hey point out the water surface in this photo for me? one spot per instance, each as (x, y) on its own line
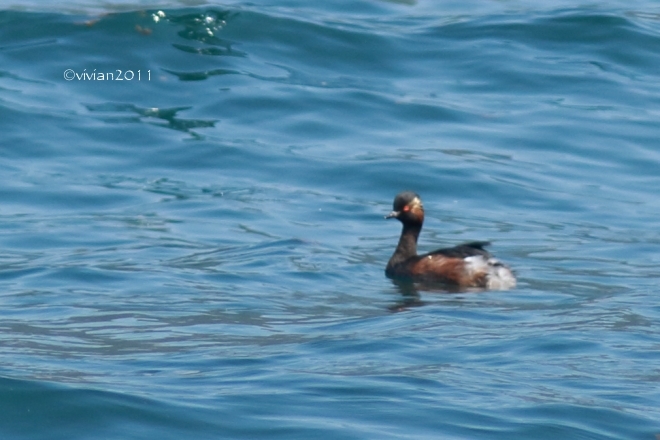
(199, 253)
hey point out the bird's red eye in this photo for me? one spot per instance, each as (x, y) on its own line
(406, 208)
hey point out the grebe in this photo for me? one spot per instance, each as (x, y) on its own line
(464, 266)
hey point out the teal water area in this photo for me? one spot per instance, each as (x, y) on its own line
(198, 251)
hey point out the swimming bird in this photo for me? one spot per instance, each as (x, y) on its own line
(467, 265)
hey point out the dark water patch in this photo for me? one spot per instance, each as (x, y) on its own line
(33, 410)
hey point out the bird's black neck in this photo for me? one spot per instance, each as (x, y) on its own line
(407, 246)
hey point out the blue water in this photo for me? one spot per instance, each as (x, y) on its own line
(199, 253)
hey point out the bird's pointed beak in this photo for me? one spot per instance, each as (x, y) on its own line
(393, 214)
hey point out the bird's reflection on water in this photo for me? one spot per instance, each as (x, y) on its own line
(411, 297)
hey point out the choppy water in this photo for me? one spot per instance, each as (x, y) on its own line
(199, 253)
